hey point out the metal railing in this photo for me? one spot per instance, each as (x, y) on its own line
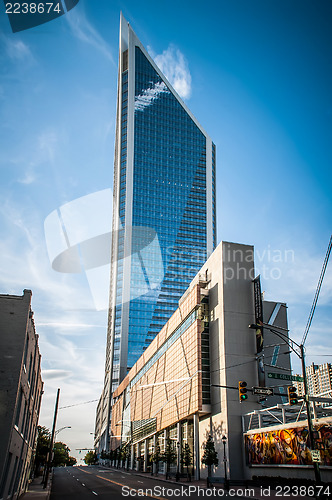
(283, 414)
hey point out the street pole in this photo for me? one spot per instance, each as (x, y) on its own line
(178, 461)
(300, 355)
(50, 453)
(224, 439)
(309, 417)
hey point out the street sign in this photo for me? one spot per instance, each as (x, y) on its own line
(263, 391)
(283, 376)
(315, 455)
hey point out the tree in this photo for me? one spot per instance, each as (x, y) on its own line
(61, 455)
(169, 455)
(104, 455)
(210, 455)
(125, 454)
(90, 458)
(156, 457)
(71, 461)
(42, 448)
(186, 457)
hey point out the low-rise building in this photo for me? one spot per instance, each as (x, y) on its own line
(319, 379)
(185, 386)
(20, 392)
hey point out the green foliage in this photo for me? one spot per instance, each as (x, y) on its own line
(61, 451)
(169, 455)
(42, 448)
(124, 452)
(210, 456)
(71, 461)
(156, 456)
(104, 455)
(90, 458)
(186, 456)
(61, 455)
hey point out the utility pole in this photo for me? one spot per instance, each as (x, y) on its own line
(309, 416)
(50, 453)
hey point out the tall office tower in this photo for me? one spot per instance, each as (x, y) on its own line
(164, 222)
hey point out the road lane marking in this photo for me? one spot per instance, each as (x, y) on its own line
(140, 482)
(83, 484)
(95, 493)
(86, 472)
(132, 489)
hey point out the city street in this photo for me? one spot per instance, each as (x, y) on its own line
(96, 481)
(87, 482)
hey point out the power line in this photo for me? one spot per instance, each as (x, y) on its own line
(79, 404)
(320, 281)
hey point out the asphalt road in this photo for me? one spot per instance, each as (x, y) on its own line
(95, 483)
(98, 483)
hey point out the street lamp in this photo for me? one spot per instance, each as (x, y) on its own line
(283, 335)
(59, 430)
(224, 440)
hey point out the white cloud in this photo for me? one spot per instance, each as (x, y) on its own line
(28, 178)
(52, 374)
(85, 32)
(30, 155)
(17, 50)
(150, 95)
(175, 67)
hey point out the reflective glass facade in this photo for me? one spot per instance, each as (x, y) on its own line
(164, 206)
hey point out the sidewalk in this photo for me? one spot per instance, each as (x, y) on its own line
(236, 491)
(36, 490)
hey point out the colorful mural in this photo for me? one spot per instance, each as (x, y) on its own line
(288, 446)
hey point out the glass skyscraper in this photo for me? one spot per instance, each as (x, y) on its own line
(164, 215)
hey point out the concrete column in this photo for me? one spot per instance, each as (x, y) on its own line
(179, 449)
(138, 457)
(145, 455)
(165, 441)
(154, 465)
(132, 457)
(196, 447)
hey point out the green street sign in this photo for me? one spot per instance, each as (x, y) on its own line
(283, 376)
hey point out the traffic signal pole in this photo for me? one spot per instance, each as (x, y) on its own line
(300, 355)
(309, 416)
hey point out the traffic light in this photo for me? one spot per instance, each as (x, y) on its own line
(242, 391)
(292, 396)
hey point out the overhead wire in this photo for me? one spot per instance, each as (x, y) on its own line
(319, 285)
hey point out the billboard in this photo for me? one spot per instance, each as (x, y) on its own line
(258, 313)
(288, 446)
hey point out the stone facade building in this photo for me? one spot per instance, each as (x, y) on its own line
(21, 390)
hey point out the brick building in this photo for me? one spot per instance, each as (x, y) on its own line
(20, 392)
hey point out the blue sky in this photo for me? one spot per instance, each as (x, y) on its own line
(256, 74)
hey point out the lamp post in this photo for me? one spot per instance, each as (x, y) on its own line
(62, 428)
(283, 335)
(224, 440)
